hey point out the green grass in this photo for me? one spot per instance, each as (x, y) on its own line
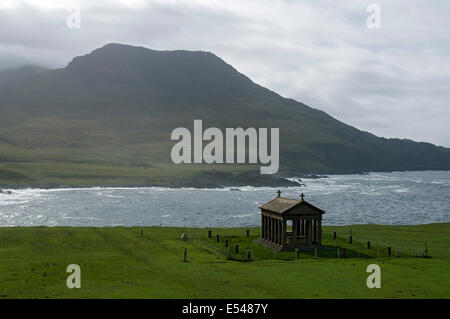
(117, 263)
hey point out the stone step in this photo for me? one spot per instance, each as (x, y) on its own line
(268, 244)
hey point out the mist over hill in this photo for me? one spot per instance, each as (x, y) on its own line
(106, 118)
(11, 77)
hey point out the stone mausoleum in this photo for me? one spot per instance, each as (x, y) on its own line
(287, 224)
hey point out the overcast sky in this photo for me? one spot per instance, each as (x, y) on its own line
(393, 81)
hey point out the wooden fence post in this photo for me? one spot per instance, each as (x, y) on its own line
(209, 233)
(350, 239)
(249, 254)
(217, 238)
(334, 235)
(185, 255)
(142, 232)
(368, 244)
(248, 232)
(226, 242)
(389, 251)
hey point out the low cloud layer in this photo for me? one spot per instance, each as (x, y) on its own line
(392, 81)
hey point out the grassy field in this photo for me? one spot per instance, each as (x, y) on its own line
(119, 263)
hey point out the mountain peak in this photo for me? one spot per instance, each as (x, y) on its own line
(117, 51)
(168, 70)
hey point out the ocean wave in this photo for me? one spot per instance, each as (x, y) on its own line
(243, 215)
(401, 190)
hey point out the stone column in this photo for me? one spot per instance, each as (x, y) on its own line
(294, 232)
(302, 227)
(309, 230)
(272, 229)
(265, 227)
(283, 232)
(280, 232)
(320, 231)
(314, 231)
(262, 226)
(305, 229)
(275, 239)
(275, 230)
(275, 227)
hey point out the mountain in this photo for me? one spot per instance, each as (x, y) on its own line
(11, 77)
(106, 118)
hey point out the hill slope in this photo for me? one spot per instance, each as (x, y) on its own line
(12, 77)
(118, 105)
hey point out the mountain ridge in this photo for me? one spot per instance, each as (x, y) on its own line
(118, 104)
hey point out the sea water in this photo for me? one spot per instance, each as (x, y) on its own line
(377, 198)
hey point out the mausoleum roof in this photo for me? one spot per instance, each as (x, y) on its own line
(284, 204)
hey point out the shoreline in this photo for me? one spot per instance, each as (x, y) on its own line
(200, 183)
(213, 227)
